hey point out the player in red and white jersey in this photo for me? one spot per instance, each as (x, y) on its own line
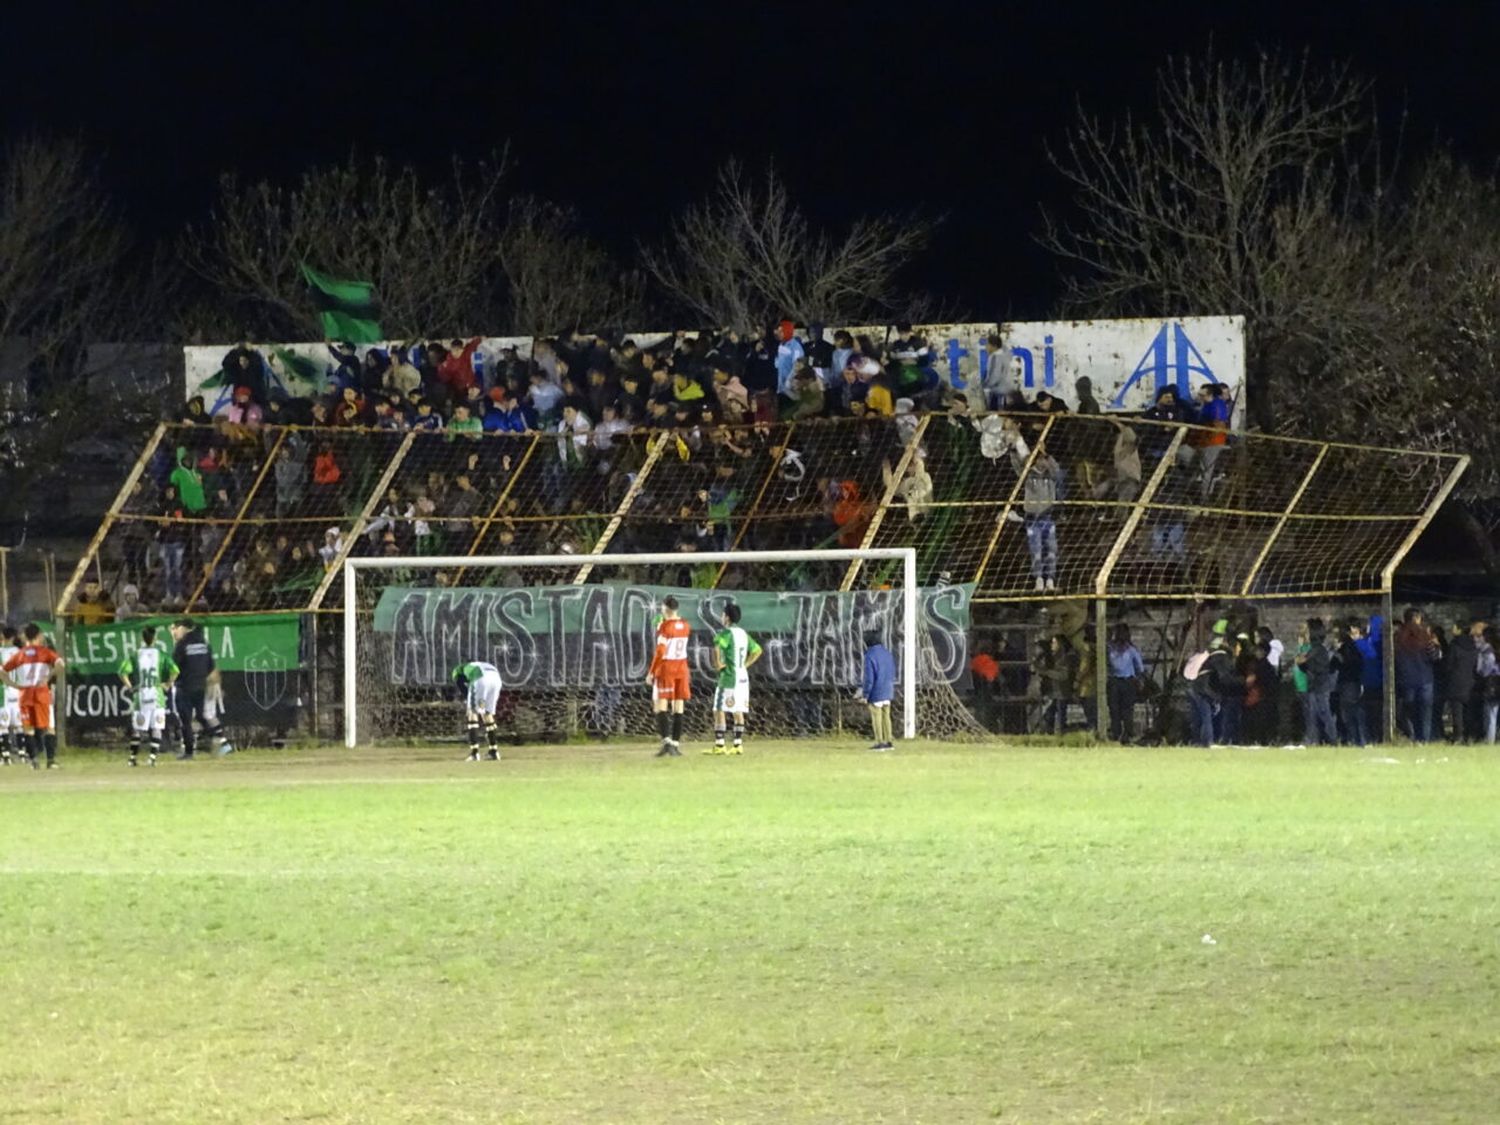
(31, 669)
(671, 685)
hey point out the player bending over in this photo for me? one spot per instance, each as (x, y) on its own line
(878, 687)
(668, 676)
(30, 668)
(148, 674)
(481, 685)
(734, 651)
(10, 702)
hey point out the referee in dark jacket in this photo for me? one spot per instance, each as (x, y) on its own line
(195, 664)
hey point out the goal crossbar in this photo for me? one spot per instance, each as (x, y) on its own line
(907, 556)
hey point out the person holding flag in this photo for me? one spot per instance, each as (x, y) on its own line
(147, 673)
(734, 651)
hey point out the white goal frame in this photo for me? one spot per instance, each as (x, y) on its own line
(909, 603)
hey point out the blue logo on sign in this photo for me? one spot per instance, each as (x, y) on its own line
(1169, 361)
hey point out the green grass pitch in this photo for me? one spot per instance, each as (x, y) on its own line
(810, 933)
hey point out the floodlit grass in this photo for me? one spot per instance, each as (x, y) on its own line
(806, 934)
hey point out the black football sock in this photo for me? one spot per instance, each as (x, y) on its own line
(719, 733)
(154, 746)
(473, 738)
(664, 725)
(135, 746)
(4, 745)
(676, 726)
(49, 741)
(739, 734)
(492, 732)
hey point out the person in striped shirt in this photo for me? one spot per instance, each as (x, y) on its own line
(734, 651)
(31, 669)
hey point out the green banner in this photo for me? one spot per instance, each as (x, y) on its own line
(248, 642)
(567, 636)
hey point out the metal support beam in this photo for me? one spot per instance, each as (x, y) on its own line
(494, 512)
(653, 455)
(121, 498)
(1265, 548)
(744, 523)
(1101, 670)
(897, 476)
(1010, 501)
(335, 568)
(1133, 521)
(234, 526)
(1388, 584)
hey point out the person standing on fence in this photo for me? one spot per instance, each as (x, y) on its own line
(1126, 670)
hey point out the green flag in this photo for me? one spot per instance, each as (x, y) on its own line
(348, 308)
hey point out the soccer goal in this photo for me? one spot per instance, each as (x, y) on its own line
(573, 637)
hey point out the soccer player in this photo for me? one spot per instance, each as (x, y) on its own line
(734, 651)
(10, 702)
(31, 668)
(195, 671)
(481, 684)
(668, 676)
(147, 673)
(878, 688)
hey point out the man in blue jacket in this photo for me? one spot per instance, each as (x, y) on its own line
(878, 687)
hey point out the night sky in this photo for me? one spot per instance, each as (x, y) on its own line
(626, 111)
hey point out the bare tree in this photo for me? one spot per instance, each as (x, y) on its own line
(430, 249)
(64, 286)
(1232, 197)
(560, 279)
(747, 255)
(1372, 300)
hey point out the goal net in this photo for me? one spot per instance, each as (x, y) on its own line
(573, 638)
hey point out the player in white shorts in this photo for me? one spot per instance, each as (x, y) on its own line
(481, 685)
(148, 673)
(10, 703)
(734, 651)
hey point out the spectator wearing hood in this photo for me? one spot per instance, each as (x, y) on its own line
(129, 607)
(194, 413)
(188, 482)
(820, 354)
(1083, 387)
(243, 366)
(372, 373)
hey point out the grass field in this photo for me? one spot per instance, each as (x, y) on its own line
(806, 934)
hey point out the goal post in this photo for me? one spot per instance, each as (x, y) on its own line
(444, 572)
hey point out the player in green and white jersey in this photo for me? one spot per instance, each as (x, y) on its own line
(148, 673)
(481, 685)
(734, 651)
